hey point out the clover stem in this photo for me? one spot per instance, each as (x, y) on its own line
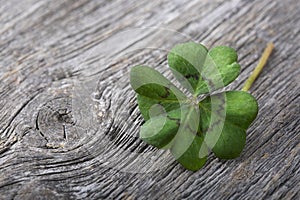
(262, 62)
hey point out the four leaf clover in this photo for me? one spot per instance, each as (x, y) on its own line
(205, 120)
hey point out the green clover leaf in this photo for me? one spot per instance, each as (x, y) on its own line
(240, 110)
(195, 63)
(189, 128)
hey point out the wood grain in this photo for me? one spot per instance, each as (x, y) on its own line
(69, 121)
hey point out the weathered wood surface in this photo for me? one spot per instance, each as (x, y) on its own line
(69, 121)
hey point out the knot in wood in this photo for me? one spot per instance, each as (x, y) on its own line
(56, 123)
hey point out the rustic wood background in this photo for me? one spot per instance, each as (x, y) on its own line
(69, 121)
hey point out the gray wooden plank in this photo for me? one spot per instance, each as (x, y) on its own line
(68, 117)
